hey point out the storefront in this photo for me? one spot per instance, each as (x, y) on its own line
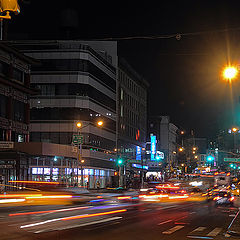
(36, 162)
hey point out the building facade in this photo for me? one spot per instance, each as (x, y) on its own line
(77, 82)
(15, 94)
(131, 121)
(163, 135)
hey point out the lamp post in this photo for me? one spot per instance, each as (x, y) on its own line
(79, 147)
(234, 131)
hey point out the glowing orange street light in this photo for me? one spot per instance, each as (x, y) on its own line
(234, 129)
(230, 73)
(79, 124)
(100, 123)
(180, 149)
(182, 132)
(194, 149)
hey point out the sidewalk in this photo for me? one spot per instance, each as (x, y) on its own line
(234, 227)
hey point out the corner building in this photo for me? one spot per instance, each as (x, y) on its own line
(77, 82)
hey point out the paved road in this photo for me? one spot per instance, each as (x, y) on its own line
(160, 221)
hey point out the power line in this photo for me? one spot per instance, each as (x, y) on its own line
(177, 36)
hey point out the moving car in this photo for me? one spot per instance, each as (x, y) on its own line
(223, 198)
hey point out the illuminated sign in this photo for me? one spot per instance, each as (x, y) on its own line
(55, 171)
(139, 166)
(159, 155)
(153, 147)
(138, 153)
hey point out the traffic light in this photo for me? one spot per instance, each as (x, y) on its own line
(119, 161)
(210, 158)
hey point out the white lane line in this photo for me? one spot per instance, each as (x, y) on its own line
(161, 223)
(232, 215)
(174, 229)
(214, 232)
(82, 225)
(199, 229)
(162, 208)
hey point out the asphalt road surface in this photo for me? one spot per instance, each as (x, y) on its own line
(160, 221)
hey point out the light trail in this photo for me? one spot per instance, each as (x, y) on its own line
(73, 217)
(47, 211)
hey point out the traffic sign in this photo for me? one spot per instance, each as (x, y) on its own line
(231, 159)
(77, 139)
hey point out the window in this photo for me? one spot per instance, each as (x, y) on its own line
(47, 89)
(18, 75)
(121, 94)
(18, 111)
(121, 111)
(3, 105)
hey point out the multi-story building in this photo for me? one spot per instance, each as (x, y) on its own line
(132, 119)
(77, 82)
(15, 93)
(163, 135)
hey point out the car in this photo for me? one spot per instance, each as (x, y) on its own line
(223, 198)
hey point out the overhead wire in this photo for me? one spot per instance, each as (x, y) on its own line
(178, 36)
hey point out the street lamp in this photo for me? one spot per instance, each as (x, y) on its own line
(7, 6)
(79, 143)
(234, 129)
(180, 149)
(229, 73)
(100, 123)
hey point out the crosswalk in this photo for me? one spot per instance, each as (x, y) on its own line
(200, 232)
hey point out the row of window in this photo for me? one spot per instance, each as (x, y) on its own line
(18, 109)
(67, 137)
(8, 71)
(76, 89)
(129, 100)
(131, 85)
(75, 65)
(62, 114)
(15, 137)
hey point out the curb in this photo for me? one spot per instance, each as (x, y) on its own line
(229, 231)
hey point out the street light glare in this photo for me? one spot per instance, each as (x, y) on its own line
(79, 124)
(100, 123)
(234, 129)
(230, 72)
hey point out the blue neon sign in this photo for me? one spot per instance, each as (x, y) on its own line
(138, 153)
(153, 147)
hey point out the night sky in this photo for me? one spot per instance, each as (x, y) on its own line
(184, 75)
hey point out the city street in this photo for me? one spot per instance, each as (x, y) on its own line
(175, 220)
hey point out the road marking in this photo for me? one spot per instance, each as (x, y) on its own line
(81, 225)
(199, 237)
(180, 218)
(162, 208)
(214, 232)
(199, 229)
(232, 215)
(161, 223)
(172, 230)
